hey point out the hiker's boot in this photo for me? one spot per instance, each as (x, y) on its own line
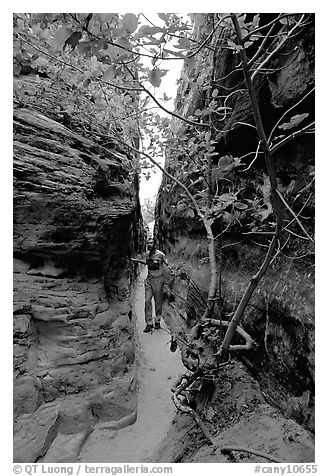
(157, 325)
(148, 328)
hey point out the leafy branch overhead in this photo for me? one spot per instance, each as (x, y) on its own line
(117, 62)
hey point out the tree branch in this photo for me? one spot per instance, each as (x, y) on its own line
(255, 157)
(122, 88)
(295, 216)
(259, 126)
(247, 295)
(275, 198)
(295, 234)
(61, 61)
(304, 205)
(291, 137)
(261, 47)
(280, 17)
(167, 174)
(171, 113)
(287, 112)
(278, 47)
(208, 38)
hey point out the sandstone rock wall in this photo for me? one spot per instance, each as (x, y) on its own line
(293, 78)
(76, 223)
(281, 315)
(237, 410)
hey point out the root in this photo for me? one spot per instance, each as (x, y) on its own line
(189, 379)
(195, 416)
(186, 409)
(249, 342)
(229, 449)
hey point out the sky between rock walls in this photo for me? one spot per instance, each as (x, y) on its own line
(149, 188)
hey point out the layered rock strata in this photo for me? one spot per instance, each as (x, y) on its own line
(234, 407)
(281, 314)
(76, 223)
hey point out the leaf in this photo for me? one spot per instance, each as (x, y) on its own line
(109, 74)
(153, 41)
(124, 42)
(244, 32)
(166, 52)
(57, 42)
(94, 26)
(86, 48)
(210, 414)
(233, 46)
(87, 20)
(155, 77)
(240, 206)
(130, 22)
(119, 51)
(40, 64)
(227, 197)
(175, 29)
(73, 40)
(164, 16)
(266, 189)
(190, 213)
(190, 63)
(247, 44)
(311, 170)
(255, 22)
(165, 97)
(265, 212)
(228, 217)
(180, 207)
(199, 19)
(106, 17)
(24, 17)
(183, 43)
(92, 48)
(215, 93)
(225, 161)
(86, 82)
(17, 68)
(294, 122)
(145, 31)
(19, 25)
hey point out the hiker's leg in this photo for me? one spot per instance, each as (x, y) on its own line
(158, 297)
(148, 306)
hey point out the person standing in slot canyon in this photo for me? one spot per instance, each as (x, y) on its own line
(154, 284)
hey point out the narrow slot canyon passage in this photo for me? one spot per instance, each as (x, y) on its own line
(157, 369)
(204, 144)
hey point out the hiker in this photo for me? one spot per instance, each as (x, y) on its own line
(154, 284)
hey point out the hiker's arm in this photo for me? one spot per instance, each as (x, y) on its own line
(166, 262)
(141, 258)
(137, 260)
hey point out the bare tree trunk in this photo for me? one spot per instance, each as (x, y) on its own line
(210, 237)
(213, 270)
(252, 285)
